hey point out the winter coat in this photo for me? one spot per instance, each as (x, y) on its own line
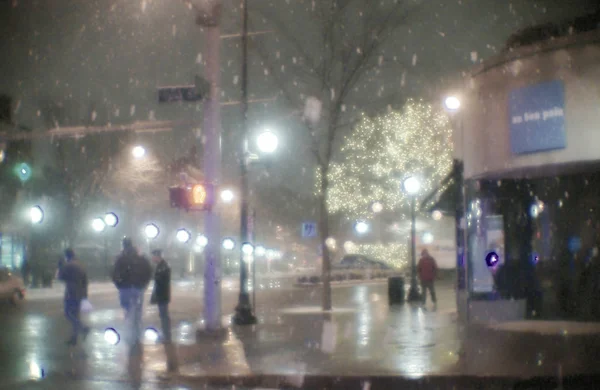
(161, 294)
(131, 270)
(427, 269)
(76, 281)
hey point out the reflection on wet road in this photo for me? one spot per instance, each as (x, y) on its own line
(365, 334)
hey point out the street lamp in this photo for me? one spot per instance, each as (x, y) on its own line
(227, 196)
(228, 244)
(452, 103)
(98, 225)
(111, 219)
(260, 251)
(412, 186)
(267, 142)
(151, 231)
(138, 151)
(202, 241)
(377, 207)
(361, 227)
(183, 236)
(36, 213)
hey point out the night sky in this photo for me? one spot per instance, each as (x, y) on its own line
(95, 62)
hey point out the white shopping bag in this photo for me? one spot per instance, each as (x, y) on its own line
(86, 306)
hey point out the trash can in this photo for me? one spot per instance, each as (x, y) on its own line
(395, 290)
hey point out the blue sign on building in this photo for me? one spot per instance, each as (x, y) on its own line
(537, 118)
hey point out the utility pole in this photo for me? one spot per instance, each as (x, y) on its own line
(211, 130)
(243, 311)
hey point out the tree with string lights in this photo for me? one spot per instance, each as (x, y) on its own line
(383, 150)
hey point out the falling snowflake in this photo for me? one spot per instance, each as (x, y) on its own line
(236, 79)
(151, 115)
(473, 56)
(144, 5)
(132, 110)
(294, 60)
(380, 61)
(174, 30)
(199, 58)
(414, 59)
(94, 115)
(266, 72)
(332, 94)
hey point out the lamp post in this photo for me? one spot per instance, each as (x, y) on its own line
(453, 105)
(412, 186)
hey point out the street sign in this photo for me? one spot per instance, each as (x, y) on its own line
(186, 93)
(309, 229)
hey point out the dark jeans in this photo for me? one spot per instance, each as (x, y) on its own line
(428, 285)
(132, 300)
(165, 320)
(72, 311)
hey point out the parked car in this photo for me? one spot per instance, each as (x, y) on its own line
(12, 287)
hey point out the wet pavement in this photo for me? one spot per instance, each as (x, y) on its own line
(288, 339)
(362, 340)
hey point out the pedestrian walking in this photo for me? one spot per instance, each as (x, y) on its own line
(161, 294)
(131, 275)
(75, 278)
(427, 269)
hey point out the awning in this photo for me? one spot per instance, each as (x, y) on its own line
(445, 196)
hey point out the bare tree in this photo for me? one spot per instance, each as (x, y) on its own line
(337, 54)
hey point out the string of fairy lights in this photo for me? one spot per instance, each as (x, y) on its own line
(378, 155)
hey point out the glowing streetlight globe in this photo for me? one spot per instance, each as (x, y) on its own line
(436, 215)
(202, 241)
(183, 236)
(138, 151)
(227, 196)
(228, 244)
(260, 251)
(267, 142)
(452, 103)
(427, 238)
(377, 207)
(411, 185)
(111, 219)
(330, 243)
(151, 231)
(98, 225)
(247, 248)
(36, 214)
(361, 227)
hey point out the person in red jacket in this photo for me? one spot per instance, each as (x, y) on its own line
(427, 269)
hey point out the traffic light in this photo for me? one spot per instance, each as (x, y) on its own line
(192, 197)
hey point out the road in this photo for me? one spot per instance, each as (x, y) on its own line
(34, 335)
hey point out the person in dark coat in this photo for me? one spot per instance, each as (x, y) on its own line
(131, 275)
(161, 295)
(75, 278)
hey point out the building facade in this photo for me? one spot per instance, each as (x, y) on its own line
(529, 141)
